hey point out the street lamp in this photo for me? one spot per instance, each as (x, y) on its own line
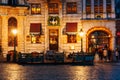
(14, 31)
(81, 33)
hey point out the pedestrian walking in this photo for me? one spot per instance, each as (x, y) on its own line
(117, 54)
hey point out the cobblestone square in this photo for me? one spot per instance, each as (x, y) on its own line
(99, 71)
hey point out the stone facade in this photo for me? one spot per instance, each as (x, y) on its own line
(24, 18)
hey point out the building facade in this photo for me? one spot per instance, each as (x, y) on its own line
(55, 25)
(117, 10)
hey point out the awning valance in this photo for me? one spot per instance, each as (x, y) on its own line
(71, 28)
(35, 28)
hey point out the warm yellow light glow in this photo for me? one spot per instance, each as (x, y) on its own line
(14, 72)
(14, 31)
(81, 33)
(72, 47)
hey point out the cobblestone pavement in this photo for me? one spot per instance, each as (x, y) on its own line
(99, 71)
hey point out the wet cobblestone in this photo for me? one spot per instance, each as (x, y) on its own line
(100, 71)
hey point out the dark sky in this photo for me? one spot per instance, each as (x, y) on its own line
(117, 6)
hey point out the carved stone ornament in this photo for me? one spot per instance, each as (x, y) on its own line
(53, 21)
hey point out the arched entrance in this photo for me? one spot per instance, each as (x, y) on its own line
(12, 24)
(98, 38)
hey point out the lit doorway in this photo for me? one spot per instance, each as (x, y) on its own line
(98, 40)
(53, 39)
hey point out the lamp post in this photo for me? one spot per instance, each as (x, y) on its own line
(14, 31)
(81, 33)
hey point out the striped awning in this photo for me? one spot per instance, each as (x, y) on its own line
(35, 28)
(71, 28)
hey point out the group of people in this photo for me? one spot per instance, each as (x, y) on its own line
(107, 55)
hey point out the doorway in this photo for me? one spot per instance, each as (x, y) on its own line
(98, 40)
(53, 39)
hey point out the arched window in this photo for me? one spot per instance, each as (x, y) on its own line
(12, 24)
(98, 40)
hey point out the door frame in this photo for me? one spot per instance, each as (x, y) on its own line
(53, 39)
(98, 29)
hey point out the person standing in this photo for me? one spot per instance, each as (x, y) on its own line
(109, 54)
(117, 54)
(105, 53)
(100, 51)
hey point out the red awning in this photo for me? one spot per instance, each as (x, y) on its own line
(35, 28)
(71, 28)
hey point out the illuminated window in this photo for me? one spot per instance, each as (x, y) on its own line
(71, 38)
(35, 38)
(71, 31)
(71, 7)
(35, 9)
(53, 8)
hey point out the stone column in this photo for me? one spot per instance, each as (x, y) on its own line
(113, 8)
(114, 42)
(84, 8)
(4, 35)
(21, 34)
(104, 9)
(46, 28)
(92, 8)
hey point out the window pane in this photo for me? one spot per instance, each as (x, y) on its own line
(101, 6)
(96, 7)
(53, 8)
(71, 7)
(71, 38)
(88, 6)
(35, 9)
(108, 4)
(35, 39)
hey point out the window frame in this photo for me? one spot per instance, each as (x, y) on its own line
(108, 6)
(53, 8)
(71, 7)
(36, 9)
(71, 38)
(36, 38)
(88, 7)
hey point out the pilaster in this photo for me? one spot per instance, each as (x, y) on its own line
(104, 9)
(4, 34)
